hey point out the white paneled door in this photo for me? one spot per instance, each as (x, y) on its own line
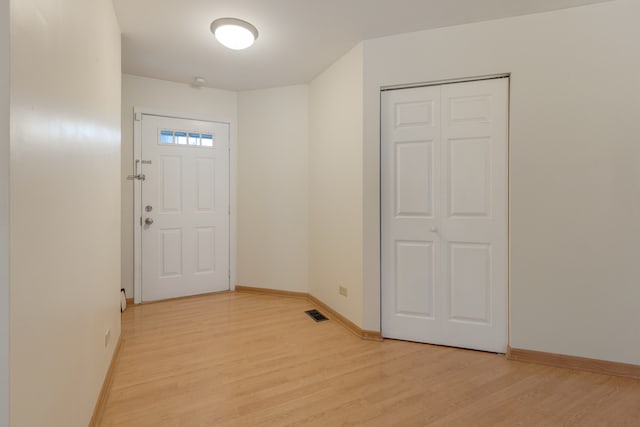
(444, 201)
(185, 207)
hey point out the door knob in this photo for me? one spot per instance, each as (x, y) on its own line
(148, 221)
(434, 229)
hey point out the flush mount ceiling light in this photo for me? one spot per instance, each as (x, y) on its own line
(234, 33)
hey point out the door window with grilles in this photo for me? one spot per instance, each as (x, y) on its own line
(190, 139)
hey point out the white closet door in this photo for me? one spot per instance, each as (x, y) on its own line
(411, 246)
(444, 214)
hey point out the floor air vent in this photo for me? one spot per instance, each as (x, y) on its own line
(316, 315)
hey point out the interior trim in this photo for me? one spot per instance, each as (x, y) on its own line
(445, 82)
(331, 313)
(98, 411)
(574, 362)
(138, 113)
(274, 292)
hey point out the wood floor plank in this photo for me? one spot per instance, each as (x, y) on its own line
(239, 359)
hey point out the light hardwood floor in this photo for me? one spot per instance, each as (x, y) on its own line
(253, 360)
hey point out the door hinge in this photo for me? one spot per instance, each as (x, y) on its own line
(137, 117)
(140, 221)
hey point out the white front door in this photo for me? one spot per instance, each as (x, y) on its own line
(444, 207)
(185, 207)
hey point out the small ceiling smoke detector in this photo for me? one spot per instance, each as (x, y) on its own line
(199, 81)
(234, 33)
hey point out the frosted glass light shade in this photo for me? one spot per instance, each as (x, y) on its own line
(234, 33)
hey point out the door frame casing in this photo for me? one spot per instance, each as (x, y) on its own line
(138, 112)
(508, 183)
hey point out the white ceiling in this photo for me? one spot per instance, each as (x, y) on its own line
(170, 39)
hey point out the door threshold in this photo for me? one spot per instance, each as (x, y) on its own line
(208, 294)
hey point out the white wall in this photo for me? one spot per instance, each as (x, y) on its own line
(574, 161)
(64, 207)
(4, 211)
(335, 171)
(273, 188)
(168, 98)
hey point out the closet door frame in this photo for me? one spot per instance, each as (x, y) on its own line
(436, 212)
